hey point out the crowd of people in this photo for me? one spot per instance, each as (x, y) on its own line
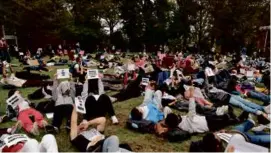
(210, 88)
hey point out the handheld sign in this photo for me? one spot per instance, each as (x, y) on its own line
(92, 134)
(131, 67)
(14, 139)
(33, 62)
(249, 74)
(242, 71)
(14, 100)
(93, 74)
(80, 105)
(209, 72)
(145, 81)
(63, 73)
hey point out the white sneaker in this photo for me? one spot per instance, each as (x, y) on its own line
(267, 109)
(222, 110)
(259, 128)
(167, 111)
(114, 120)
(112, 99)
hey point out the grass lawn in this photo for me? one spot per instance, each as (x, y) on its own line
(138, 142)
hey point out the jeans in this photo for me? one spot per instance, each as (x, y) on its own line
(154, 98)
(98, 108)
(245, 104)
(111, 144)
(259, 96)
(61, 112)
(47, 144)
(259, 138)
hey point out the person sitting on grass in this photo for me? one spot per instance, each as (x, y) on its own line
(92, 140)
(29, 118)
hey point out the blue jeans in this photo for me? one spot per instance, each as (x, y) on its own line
(259, 96)
(259, 138)
(245, 104)
(111, 144)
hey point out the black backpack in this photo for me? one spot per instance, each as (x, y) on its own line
(142, 126)
(177, 135)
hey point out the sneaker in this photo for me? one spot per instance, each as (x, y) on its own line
(113, 99)
(267, 109)
(259, 128)
(219, 111)
(258, 112)
(114, 120)
(222, 110)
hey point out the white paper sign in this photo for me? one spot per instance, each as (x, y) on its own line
(80, 105)
(14, 139)
(242, 71)
(209, 72)
(131, 67)
(49, 115)
(63, 73)
(92, 134)
(93, 74)
(14, 100)
(145, 81)
(249, 74)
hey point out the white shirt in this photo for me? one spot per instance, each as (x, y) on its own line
(192, 122)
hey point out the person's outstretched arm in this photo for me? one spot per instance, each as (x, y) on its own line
(73, 131)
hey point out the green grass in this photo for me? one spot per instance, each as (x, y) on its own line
(139, 142)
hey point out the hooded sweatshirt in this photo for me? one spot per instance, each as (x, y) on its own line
(58, 93)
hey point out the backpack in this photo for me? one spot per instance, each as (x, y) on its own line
(177, 135)
(142, 126)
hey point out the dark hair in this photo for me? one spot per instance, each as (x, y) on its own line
(136, 114)
(11, 92)
(93, 86)
(210, 143)
(172, 120)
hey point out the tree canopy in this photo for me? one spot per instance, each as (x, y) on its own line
(139, 24)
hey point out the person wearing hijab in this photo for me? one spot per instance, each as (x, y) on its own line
(63, 94)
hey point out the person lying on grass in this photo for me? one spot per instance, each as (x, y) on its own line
(10, 79)
(239, 138)
(47, 144)
(194, 123)
(151, 109)
(63, 94)
(92, 140)
(29, 118)
(221, 97)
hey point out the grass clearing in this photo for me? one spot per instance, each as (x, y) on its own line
(139, 142)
